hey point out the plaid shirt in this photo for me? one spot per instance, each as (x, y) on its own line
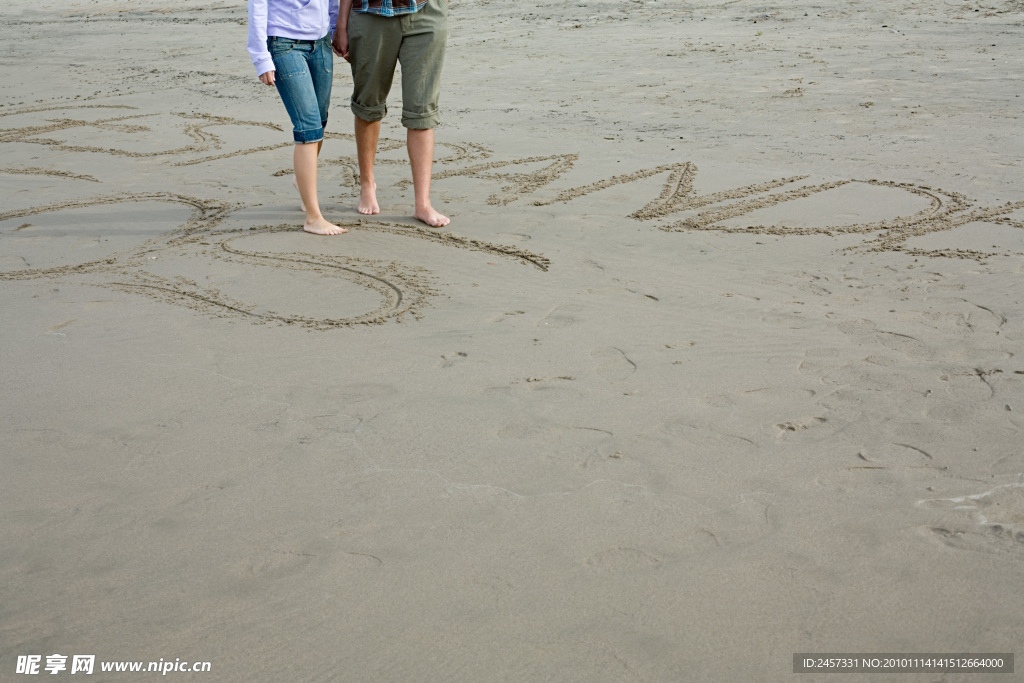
(388, 8)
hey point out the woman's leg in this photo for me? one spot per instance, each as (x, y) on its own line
(295, 183)
(305, 177)
(300, 70)
(321, 72)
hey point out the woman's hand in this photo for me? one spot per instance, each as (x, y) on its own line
(267, 78)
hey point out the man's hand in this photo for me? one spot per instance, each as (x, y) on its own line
(340, 40)
(267, 78)
(340, 43)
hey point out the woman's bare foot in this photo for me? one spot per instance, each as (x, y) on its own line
(295, 184)
(431, 217)
(368, 200)
(322, 226)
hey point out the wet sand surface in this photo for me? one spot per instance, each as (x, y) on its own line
(719, 360)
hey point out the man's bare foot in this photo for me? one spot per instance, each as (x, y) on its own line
(322, 226)
(368, 200)
(431, 217)
(295, 184)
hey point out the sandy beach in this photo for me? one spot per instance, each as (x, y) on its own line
(720, 360)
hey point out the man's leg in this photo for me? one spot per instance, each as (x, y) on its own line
(367, 134)
(305, 177)
(422, 58)
(373, 44)
(421, 158)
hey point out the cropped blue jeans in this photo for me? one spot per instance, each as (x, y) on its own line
(304, 73)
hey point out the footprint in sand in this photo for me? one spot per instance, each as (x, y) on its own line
(793, 426)
(683, 433)
(991, 522)
(613, 364)
(864, 332)
(895, 455)
(560, 316)
(812, 284)
(622, 559)
(276, 563)
(818, 361)
(453, 358)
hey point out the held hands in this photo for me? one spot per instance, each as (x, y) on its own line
(340, 40)
(340, 44)
(267, 78)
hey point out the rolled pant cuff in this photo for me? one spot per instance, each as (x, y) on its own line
(307, 136)
(419, 121)
(368, 114)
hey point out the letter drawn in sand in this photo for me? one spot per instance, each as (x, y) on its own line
(403, 289)
(945, 210)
